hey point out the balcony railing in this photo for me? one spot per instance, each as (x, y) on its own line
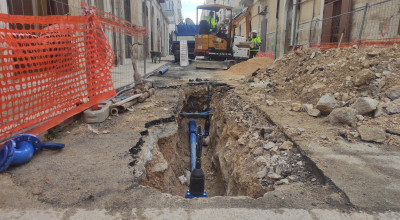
(168, 6)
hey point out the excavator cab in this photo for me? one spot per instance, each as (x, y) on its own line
(214, 41)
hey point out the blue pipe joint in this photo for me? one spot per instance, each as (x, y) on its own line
(163, 70)
(21, 149)
(193, 143)
(188, 195)
(23, 153)
(7, 154)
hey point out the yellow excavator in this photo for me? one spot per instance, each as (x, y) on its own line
(214, 42)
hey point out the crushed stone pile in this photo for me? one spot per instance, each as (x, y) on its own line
(347, 73)
(248, 67)
(359, 88)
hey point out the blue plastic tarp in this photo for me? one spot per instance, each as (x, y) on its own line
(187, 30)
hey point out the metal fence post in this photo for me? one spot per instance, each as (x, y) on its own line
(145, 45)
(362, 24)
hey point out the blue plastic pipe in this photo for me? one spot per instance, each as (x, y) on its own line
(20, 150)
(192, 133)
(162, 71)
(198, 113)
(23, 153)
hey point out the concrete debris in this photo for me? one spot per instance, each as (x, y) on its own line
(386, 73)
(94, 130)
(269, 145)
(268, 130)
(261, 174)
(187, 176)
(393, 107)
(306, 107)
(379, 110)
(300, 130)
(354, 134)
(326, 104)
(393, 92)
(275, 176)
(314, 112)
(261, 160)
(206, 141)
(296, 107)
(323, 137)
(373, 53)
(105, 132)
(182, 179)
(363, 77)
(269, 102)
(258, 151)
(159, 167)
(360, 117)
(282, 182)
(312, 55)
(345, 115)
(365, 105)
(395, 131)
(372, 134)
(287, 145)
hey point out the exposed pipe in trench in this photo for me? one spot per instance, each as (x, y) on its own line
(197, 178)
(192, 133)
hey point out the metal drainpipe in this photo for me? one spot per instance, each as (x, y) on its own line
(312, 19)
(146, 38)
(276, 27)
(121, 61)
(293, 31)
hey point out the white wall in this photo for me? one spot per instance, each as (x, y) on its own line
(3, 7)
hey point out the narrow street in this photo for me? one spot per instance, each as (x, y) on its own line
(130, 167)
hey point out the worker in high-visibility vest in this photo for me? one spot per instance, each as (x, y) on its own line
(211, 21)
(257, 42)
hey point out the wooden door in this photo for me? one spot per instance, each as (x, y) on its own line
(327, 24)
(345, 20)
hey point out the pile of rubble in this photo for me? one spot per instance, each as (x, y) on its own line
(254, 155)
(355, 88)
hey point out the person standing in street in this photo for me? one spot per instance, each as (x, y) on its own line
(257, 42)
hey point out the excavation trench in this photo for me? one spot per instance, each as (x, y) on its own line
(245, 156)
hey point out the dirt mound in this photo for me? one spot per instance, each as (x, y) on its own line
(364, 79)
(248, 67)
(307, 75)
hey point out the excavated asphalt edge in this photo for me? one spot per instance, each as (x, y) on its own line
(312, 165)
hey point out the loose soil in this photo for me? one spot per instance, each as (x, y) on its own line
(247, 67)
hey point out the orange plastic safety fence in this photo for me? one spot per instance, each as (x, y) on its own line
(117, 24)
(326, 46)
(262, 54)
(375, 43)
(51, 68)
(380, 43)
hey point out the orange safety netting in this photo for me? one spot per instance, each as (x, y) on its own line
(117, 24)
(262, 54)
(375, 43)
(51, 68)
